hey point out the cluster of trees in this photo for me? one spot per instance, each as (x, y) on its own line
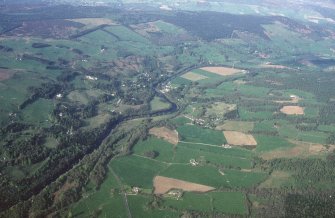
(14, 127)
(10, 21)
(40, 45)
(67, 76)
(38, 59)
(151, 154)
(72, 142)
(326, 113)
(72, 185)
(25, 150)
(310, 205)
(46, 90)
(291, 202)
(87, 31)
(314, 170)
(29, 150)
(6, 48)
(128, 18)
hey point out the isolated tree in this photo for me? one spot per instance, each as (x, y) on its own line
(151, 154)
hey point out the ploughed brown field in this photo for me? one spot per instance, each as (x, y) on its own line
(292, 110)
(239, 138)
(165, 134)
(223, 71)
(5, 74)
(163, 184)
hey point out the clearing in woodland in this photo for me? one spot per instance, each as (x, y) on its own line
(239, 138)
(222, 71)
(276, 179)
(164, 184)
(165, 134)
(302, 149)
(219, 109)
(94, 21)
(292, 110)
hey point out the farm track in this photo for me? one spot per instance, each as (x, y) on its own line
(199, 143)
(217, 146)
(159, 161)
(124, 195)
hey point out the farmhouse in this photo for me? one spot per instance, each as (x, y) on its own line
(227, 146)
(91, 78)
(175, 193)
(194, 163)
(59, 96)
(136, 190)
(221, 172)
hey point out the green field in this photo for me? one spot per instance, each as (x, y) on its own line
(211, 176)
(157, 104)
(103, 201)
(234, 152)
(240, 126)
(291, 132)
(126, 34)
(268, 143)
(225, 202)
(326, 128)
(229, 202)
(251, 115)
(139, 207)
(136, 171)
(266, 126)
(168, 27)
(190, 201)
(185, 153)
(39, 112)
(164, 148)
(193, 133)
